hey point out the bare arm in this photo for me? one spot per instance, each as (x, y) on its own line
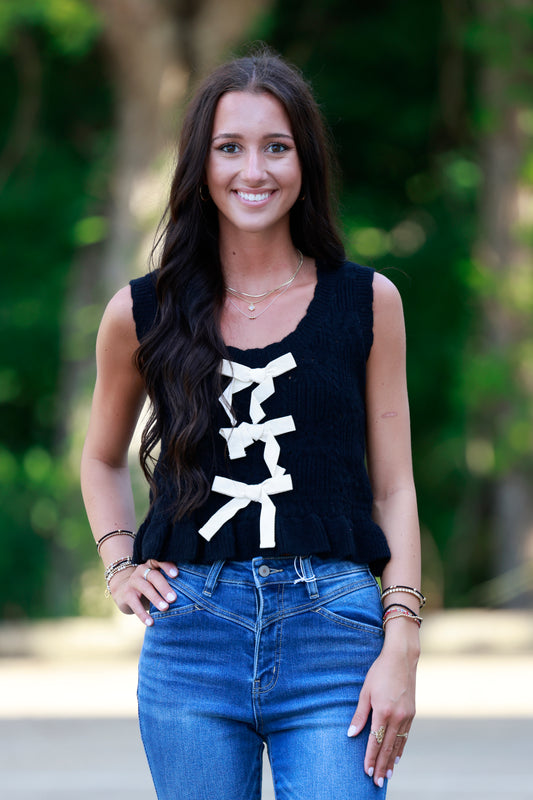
(389, 690)
(105, 479)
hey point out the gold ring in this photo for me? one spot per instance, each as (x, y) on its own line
(402, 735)
(379, 734)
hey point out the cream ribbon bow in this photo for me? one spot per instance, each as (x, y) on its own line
(243, 494)
(243, 435)
(242, 377)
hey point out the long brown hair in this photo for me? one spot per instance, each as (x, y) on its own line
(180, 357)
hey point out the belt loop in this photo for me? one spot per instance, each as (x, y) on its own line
(212, 577)
(309, 576)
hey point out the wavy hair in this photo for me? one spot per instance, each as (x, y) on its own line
(180, 357)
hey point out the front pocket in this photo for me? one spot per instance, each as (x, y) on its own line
(358, 607)
(173, 611)
(181, 605)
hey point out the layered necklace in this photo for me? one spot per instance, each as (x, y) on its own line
(253, 300)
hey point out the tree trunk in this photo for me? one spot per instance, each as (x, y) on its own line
(155, 49)
(502, 422)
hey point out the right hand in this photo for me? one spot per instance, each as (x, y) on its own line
(133, 593)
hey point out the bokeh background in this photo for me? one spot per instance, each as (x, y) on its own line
(430, 104)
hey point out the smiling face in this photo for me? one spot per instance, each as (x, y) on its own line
(253, 170)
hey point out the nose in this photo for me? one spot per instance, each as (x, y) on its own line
(253, 170)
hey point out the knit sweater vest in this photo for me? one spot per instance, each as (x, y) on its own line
(286, 456)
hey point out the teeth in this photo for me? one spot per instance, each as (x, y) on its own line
(253, 198)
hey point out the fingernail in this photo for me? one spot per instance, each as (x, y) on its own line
(370, 772)
(163, 605)
(148, 621)
(397, 760)
(380, 783)
(171, 597)
(352, 730)
(389, 774)
(173, 572)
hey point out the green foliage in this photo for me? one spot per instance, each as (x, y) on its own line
(410, 185)
(408, 203)
(72, 24)
(50, 186)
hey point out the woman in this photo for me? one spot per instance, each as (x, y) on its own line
(272, 366)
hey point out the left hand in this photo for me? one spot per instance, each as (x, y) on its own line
(389, 693)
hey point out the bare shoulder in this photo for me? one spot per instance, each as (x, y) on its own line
(117, 338)
(386, 296)
(119, 311)
(389, 327)
(118, 319)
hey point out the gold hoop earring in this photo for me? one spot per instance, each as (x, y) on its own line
(204, 193)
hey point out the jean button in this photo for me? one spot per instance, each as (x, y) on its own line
(264, 571)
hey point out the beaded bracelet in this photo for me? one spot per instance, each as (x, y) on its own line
(406, 612)
(407, 590)
(398, 605)
(416, 619)
(111, 567)
(114, 569)
(118, 532)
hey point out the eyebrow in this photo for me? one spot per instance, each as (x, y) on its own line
(240, 136)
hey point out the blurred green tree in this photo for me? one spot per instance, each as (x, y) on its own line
(54, 140)
(429, 105)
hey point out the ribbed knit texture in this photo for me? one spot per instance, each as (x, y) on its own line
(328, 512)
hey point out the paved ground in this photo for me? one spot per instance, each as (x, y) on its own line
(68, 727)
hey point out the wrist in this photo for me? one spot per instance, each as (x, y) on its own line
(403, 634)
(123, 565)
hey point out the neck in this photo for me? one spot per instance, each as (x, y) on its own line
(256, 263)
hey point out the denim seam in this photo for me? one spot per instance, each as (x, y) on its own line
(347, 623)
(256, 685)
(175, 612)
(143, 739)
(205, 605)
(313, 604)
(277, 650)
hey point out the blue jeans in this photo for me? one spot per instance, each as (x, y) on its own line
(275, 651)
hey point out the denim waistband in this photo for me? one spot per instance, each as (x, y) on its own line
(309, 570)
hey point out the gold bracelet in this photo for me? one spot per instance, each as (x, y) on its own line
(123, 564)
(407, 590)
(416, 619)
(118, 532)
(118, 563)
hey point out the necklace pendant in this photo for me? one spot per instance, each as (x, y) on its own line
(251, 307)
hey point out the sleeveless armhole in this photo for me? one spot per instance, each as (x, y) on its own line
(365, 294)
(144, 301)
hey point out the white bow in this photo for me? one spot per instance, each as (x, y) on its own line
(243, 494)
(243, 435)
(242, 377)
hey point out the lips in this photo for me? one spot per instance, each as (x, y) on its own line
(254, 197)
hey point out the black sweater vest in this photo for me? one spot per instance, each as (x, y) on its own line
(286, 458)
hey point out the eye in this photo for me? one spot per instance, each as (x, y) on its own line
(277, 147)
(229, 147)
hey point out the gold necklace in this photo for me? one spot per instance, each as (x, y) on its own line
(255, 299)
(252, 307)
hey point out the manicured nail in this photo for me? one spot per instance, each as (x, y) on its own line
(148, 621)
(389, 774)
(171, 597)
(163, 605)
(397, 760)
(370, 772)
(352, 730)
(380, 783)
(173, 572)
